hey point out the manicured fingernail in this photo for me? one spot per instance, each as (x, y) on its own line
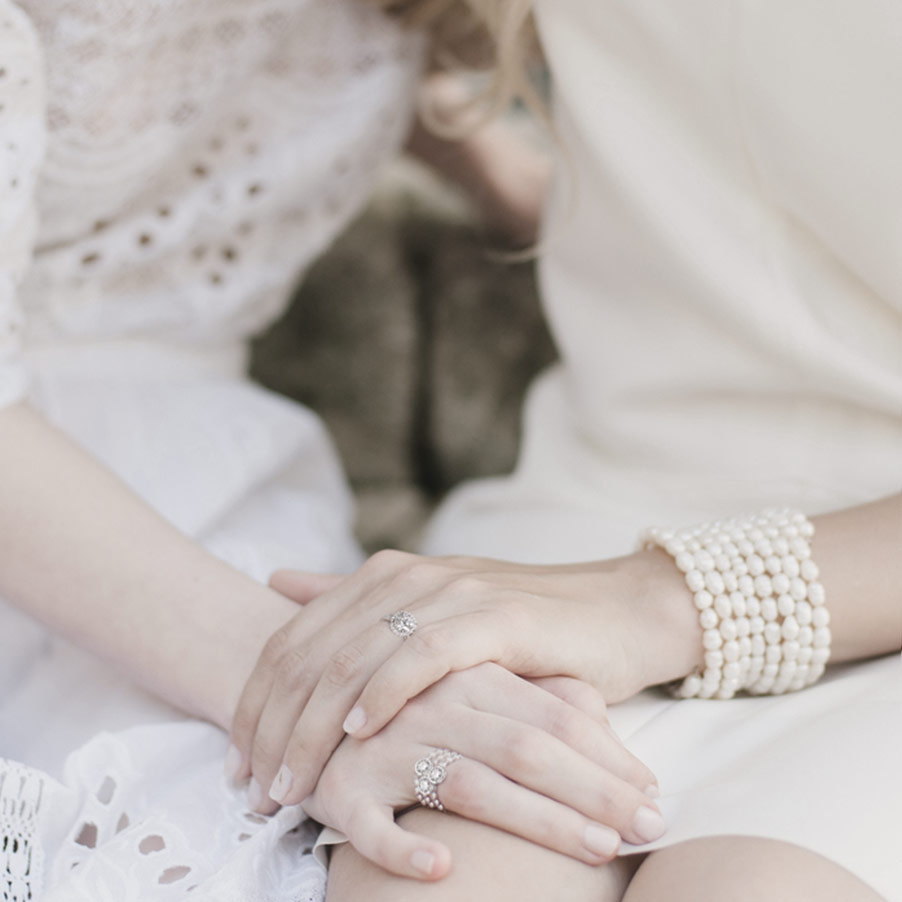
(232, 762)
(355, 721)
(423, 862)
(281, 785)
(254, 795)
(648, 825)
(653, 791)
(601, 840)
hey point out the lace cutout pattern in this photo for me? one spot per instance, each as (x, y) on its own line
(21, 856)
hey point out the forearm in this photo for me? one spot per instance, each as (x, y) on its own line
(858, 553)
(88, 558)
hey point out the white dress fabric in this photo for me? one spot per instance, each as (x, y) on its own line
(722, 271)
(167, 169)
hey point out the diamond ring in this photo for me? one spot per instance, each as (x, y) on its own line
(402, 623)
(429, 772)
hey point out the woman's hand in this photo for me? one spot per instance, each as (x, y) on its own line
(544, 767)
(619, 625)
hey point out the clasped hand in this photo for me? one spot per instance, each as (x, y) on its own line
(543, 766)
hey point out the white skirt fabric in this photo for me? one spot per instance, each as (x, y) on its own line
(106, 793)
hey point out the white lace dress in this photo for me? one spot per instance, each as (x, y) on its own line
(167, 168)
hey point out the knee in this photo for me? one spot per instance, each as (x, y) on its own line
(743, 869)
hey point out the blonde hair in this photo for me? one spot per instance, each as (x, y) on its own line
(494, 36)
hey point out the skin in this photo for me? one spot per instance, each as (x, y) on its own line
(93, 562)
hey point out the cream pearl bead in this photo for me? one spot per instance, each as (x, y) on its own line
(743, 626)
(780, 584)
(732, 670)
(704, 561)
(798, 588)
(769, 609)
(712, 639)
(695, 580)
(772, 633)
(728, 629)
(730, 580)
(684, 561)
(708, 619)
(786, 605)
(805, 654)
(714, 659)
(731, 651)
(745, 646)
(790, 628)
(771, 669)
(755, 565)
(714, 582)
(691, 686)
(803, 613)
(819, 656)
(791, 650)
(746, 585)
(763, 585)
(822, 638)
(820, 616)
(703, 599)
(758, 645)
(723, 606)
(738, 603)
(808, 570)
(806, 635)
(753, 606)
(816, 594)
(791, 566)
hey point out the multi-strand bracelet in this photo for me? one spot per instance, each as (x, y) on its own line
(765, 628)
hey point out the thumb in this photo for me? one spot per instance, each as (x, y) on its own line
(302, 587)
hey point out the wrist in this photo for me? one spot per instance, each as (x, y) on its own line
(668, 636)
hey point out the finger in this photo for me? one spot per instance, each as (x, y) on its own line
(434, 650)
(577, 693)
(319, 728)
(302, 587)
(538, 761)
(371, 829)
(250, 707)
(477, 792)
(501, 693)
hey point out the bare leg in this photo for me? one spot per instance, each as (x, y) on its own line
(743, 869)
(488, 865)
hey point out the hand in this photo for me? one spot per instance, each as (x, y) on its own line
(617, 625)
(546, 768)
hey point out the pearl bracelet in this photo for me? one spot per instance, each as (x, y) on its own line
(765, 628)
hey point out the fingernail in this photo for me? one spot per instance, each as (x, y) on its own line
(232, 762)
(355, 721)
(281, 785)
(601, 840)
(254, 795)
(423, 861)
(653, 791)
(648, 825)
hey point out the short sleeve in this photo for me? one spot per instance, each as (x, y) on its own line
(22, 143)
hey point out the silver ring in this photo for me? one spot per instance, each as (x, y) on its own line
(402, 623)
(429, 773)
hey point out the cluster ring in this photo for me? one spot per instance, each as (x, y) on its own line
(429, 773)
(402, 623)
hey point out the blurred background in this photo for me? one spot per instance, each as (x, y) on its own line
(415, 339)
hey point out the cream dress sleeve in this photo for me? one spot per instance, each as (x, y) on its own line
(22, 143)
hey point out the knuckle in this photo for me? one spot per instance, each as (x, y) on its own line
(468, 585)
(387, 561)
(293, 670)
(522, 755)
(429, 641)
(567, 725)
(344, 667)
(276, 646)
(617, 805)
(461, 793)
